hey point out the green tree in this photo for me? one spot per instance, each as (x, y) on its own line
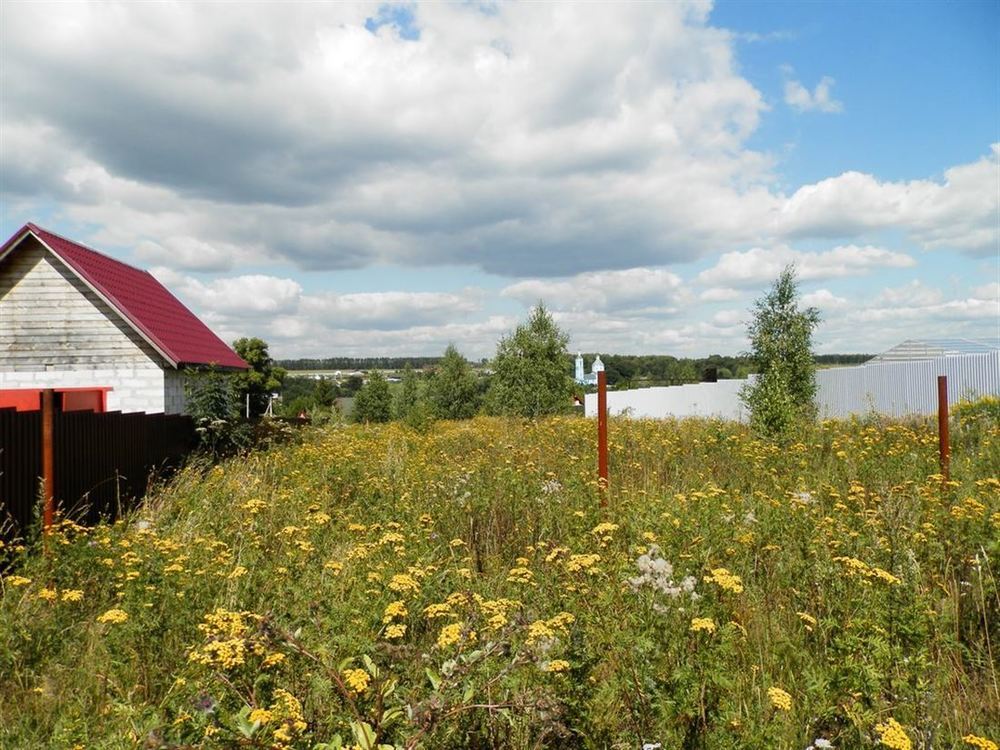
(373, 403)
(263, 378)
(780, 336)
(530, 374)
(352, 385)
(325, 393)
(453, 390)
(407, 395)
(213, 404)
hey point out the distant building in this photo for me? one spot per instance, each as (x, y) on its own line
(591, 377)
(920, 349)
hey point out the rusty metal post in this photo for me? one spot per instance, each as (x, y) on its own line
(48, 459)
(602, 435)
(944, 443)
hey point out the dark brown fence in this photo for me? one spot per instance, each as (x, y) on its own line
(102, 462)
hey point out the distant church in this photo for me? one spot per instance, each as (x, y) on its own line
(590, 378)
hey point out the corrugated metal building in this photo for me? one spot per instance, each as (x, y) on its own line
(900, 382)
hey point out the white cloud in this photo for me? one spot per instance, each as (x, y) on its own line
(759, 266)
(989, 291)
(799, 98)
(287, 136)
(390, 309)
(720, 294)
(634, 289)
(730, 318)
(942, 313)
(914, 294)
(251, 294)
(959, 213)
(823, 300)
(496, 139)
(492, 130)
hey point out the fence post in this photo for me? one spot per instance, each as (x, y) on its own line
(48, 459)
(944, 443)
(602, 436)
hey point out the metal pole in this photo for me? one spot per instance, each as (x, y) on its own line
(48, 461)
(602, 435)
(944, 444)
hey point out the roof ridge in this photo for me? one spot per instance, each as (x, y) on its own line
(35, 228)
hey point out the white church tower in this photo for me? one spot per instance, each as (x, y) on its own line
(578, 375)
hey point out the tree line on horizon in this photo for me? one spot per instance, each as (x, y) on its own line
(621, 369)
(530, 374)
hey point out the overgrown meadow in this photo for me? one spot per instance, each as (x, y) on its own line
(462, 587)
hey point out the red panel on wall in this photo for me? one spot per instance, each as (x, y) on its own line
(21, 399)
(72, 399)
(83, 401)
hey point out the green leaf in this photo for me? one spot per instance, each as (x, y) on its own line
(434, 677)
(363, 733)
(244, 725)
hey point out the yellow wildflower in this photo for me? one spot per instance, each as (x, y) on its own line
(273, 658)
(437, 610)
(72, 595)
(395, 631)
(357, 680)
(288, 710)
(16, 581)
(403, 583)
(113, 616)
(556, 665)
(561, 621)
(577, 563)
(780, 700)
(539, 630)
(452, 634)
(521, 575)
(394, 610)
(980, 742)
(260, 714)
(892, 734)
(702, 623)
(808, 620)
(49, 595)
(604, 529)
(725, 580)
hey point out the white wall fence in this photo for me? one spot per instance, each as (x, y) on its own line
(892, 388)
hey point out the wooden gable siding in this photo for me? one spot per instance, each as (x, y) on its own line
(49, 319)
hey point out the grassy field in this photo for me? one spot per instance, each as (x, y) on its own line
(463, 588)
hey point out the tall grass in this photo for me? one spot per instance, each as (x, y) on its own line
(461, 588)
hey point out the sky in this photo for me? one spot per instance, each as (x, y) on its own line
(363, 179)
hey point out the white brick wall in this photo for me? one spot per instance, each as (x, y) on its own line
(133, 388)
(174, 399)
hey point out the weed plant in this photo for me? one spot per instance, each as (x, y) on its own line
(461, 587)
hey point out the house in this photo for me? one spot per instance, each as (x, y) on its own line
(105, 335)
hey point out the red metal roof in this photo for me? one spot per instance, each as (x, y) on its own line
(142, 300)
